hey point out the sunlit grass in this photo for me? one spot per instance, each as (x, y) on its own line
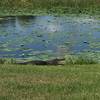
(70, 82)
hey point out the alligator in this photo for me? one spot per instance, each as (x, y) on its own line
(47, 62)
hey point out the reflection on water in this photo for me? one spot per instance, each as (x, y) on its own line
(47, 36)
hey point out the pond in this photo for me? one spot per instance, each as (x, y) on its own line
(42, 37)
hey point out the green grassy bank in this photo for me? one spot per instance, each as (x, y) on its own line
(70, 82)
(36, 7)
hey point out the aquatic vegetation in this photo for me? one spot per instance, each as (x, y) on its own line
(83, 58)
(50, 36)
(68, 59)
(7, 61)
(95, 45)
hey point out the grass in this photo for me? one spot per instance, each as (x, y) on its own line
(83, 58)
(31, 7)
(70, 82)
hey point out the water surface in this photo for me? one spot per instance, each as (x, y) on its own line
(41, 37)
